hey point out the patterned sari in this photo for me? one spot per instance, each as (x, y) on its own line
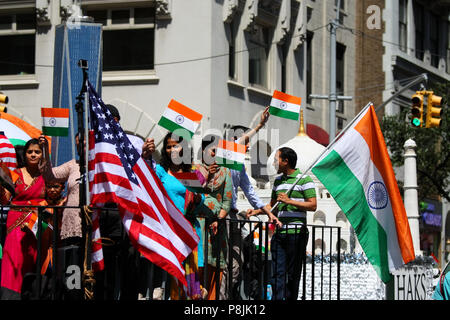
(20, 249)
(219, 197)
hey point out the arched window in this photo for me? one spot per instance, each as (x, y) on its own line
(341, 219)
(319, 246)
(319, 217)
(344, 245)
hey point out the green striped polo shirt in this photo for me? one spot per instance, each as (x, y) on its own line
(304, 189)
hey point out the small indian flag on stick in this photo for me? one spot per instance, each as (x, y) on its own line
(55, 121)
(285, 106)
(194, 181)
(33, 226)
(230, 154)
(178, 116)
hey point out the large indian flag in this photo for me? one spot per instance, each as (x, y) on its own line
(177, 116)
(285, 106)
(357, 171)
(17, 130)
(230, 154)
(55, 121)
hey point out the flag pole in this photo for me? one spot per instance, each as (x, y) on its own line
(323, 152)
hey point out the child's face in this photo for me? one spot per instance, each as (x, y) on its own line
(53, 190)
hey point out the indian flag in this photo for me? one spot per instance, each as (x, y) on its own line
(178, 116)
(357, 171)
(285, 106)
(17, 130)
(55, 121)
(33, 226)
(194, 181)
(230, 154)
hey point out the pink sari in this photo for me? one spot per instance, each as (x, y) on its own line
(19, 251)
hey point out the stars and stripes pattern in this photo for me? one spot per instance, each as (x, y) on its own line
(118, 174)
(7, 152)
(98, 263)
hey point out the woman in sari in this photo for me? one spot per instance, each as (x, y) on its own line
(20, 249)
(176, 157)
(216, 206)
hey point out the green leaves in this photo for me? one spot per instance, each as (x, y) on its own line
(433, 147)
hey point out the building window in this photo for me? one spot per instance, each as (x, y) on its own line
(232, 50)
(259, 47)
(403, 22)
(420, 27)
(340, 75)
(18, 39)
(128, 38)
(448, 47)
(341, 9)
(434, 40)
(309, 64)
(340, 123)
(284, 72)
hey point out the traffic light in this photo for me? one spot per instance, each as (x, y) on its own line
(3, 99)
(433, 112)
(417, 110)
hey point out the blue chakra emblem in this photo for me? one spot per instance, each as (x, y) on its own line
(179, 119)
(377, 196)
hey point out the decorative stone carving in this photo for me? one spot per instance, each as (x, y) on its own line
(42, 15)
(299, 35)
(250, 13)
(229, 10)
(163, 9)
(284, 21)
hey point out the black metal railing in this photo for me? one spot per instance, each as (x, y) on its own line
(247, 254)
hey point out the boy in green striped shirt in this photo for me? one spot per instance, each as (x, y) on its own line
(288, 244)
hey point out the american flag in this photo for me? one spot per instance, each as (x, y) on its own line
(118, 174)
(7, 152)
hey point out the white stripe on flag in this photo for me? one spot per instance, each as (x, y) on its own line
(362, 167)
(230, 155)
(55, 122)
(283, 105)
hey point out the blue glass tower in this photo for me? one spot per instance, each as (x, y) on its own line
(74, 41)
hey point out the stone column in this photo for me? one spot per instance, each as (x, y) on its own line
(410, 193)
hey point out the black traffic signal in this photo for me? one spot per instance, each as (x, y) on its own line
(417, 110)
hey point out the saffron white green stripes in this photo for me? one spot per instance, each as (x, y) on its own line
(358, 174)
(285, 106)
(55, 121)
(230, 154)
(193, 181)
(178, 117)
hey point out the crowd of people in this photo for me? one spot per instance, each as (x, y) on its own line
(124, 276)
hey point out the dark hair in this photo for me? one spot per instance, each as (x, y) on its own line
(235, 132)
(210, 140)
(25, 148)
(288, 154)
(114, 111)
(166, 160)
(20, 156)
